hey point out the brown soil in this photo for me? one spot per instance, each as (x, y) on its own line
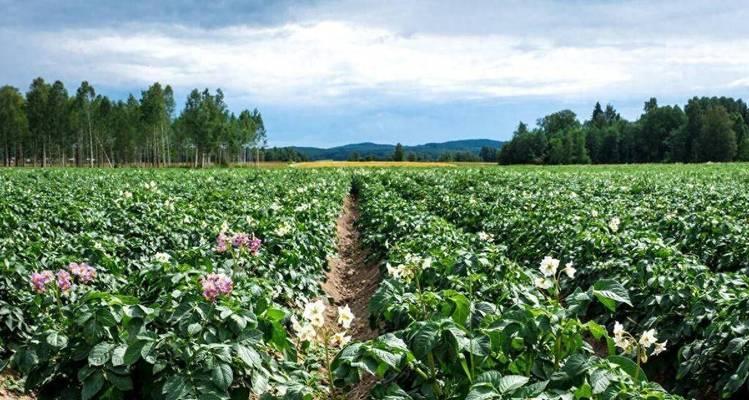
(352, 280)
(8, 387)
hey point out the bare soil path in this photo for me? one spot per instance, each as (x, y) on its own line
(352, 280)
(9, 387)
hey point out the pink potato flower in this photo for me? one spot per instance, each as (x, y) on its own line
(214, 285)
(238, 241)
(222, 243)
(39, 280)
(64, 280)
(254, 245)
(83, 271)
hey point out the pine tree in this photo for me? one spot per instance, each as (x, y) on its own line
(398, 154)
(717, 140)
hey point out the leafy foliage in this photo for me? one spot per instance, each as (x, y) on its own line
(678, 249)
(143, 324)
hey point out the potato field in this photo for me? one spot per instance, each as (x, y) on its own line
(627, 282)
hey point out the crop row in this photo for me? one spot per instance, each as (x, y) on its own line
(702, 214)
(701, 313)
(168, 284)
(463, 321)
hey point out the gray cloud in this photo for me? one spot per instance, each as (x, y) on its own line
(332, 52)
(54, 15)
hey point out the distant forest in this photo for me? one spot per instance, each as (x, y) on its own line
(707, 129)
(48, 126)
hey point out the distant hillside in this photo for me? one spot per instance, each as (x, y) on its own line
(382, 151)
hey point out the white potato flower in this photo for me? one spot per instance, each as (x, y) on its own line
(549, 266)
(340, 339)
(315, 313)
(623, 342)
(618, 329)
(659, 348)
(543, 283)
(282, 230)
(648, 338)
(395, 272)
(345, 316)
(295, 325)
(614, 224)
(317, 320)
(307, 333)
(407, 273)
(126, 194)
(485, 237)
(162, 257)
(569, 270)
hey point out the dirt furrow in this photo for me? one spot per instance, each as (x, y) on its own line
(352, 280)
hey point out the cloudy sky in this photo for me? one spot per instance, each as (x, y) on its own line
(326, 73)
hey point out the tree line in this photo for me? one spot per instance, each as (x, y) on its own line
(48, 126)
(486, 154)
(707, 129)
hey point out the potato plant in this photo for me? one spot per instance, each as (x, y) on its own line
(568, 283)
(464, 321)
(168, 312)
(607, 222)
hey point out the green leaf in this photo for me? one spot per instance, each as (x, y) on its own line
(510, 383)
(576, 364)
(274, 314)
(610, 293)
(597, 330)
(259, 381)
(482, 391)
(105, 317)
(92, 385)
(57, 340)
(387, 357)
(132, 353)
(600, 380)
(123, 383)
(462, 306)
(222, 376)
(118, 355)
(194, 329)
(100, 354)
(492, 377)
(480, 346)
(629, 366)
(424, 339)
(584, 391)
(737, 379)
(248, 355)
(147, 353)
(175, 388)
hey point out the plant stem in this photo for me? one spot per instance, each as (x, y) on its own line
(59, 305)
(557, 350)
(328, 365)
(418, 289)
(433, 373)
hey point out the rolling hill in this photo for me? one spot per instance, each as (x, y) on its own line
(381, 151)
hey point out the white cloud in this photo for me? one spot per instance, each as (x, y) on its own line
(338, 61)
